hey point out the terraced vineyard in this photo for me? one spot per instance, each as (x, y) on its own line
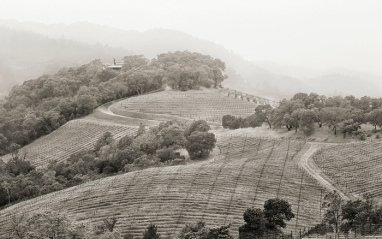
(208, 105)
(354, 167)
(73, 137)
(247, 172)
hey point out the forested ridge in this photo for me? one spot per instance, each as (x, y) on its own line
(37, 107)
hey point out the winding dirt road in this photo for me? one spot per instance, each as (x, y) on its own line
(307, 163)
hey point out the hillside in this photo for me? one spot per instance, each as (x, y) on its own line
(74, 136)
(25, 55)
(354, 167)
(207, 104)
(217, 191)
(122, 118)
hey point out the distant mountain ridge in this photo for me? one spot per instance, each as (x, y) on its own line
(26, 55)
(267, 80)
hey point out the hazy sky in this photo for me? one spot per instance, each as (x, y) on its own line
(322, 33)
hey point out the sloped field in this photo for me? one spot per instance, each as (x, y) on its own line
(247, 172)
(355, 167)
(70, 138)
(208, 105)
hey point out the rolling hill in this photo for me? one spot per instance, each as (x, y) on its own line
(74, 136)
(241, 172)
(207, 104)
(124, 116)
(245, 173)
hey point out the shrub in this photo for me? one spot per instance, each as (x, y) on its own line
(151, 232)
(200, 144)
(231, 122)
(178, 161)
(166, 154)
(377, 136)
(308, 129)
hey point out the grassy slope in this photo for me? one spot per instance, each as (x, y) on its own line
(72, 137)
(354, 167)
(217, 191)
(206, 104)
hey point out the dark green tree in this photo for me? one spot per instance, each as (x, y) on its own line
(194, 231)
(151, 232)
(265, 113)
(200, 144)
(307, 119)
(106, 139)
(277, 212)
(332, 205)
(199, 125)
(254, 226)
(374, 118)
(221, 232)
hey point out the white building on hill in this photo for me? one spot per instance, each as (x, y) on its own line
(117, 65)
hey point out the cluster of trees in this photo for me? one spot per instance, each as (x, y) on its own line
(267, 222)
(185, 70)
(263, 113)
(37, 107)
(303, 112)
(155, 147)
(20, 180)
(149, 148)
(360, 217)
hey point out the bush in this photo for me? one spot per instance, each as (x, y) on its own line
(308, 129)
(151, 232)
(166, 154)
(377, 136)
(356, 133)
(231, 122)
(178, 161)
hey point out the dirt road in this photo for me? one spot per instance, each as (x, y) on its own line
(307, 163)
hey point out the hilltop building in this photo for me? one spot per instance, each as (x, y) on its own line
(117, 65)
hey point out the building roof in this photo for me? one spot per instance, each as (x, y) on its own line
(114, 67)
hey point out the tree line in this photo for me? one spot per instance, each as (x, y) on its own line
(266, 223)
(39, 106)
(357, 217)
(155, 147)
(304, 112)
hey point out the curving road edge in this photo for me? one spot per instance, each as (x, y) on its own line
(307, 163)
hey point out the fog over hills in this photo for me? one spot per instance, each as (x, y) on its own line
(268, 79)
(330, 81)
(26, 55)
